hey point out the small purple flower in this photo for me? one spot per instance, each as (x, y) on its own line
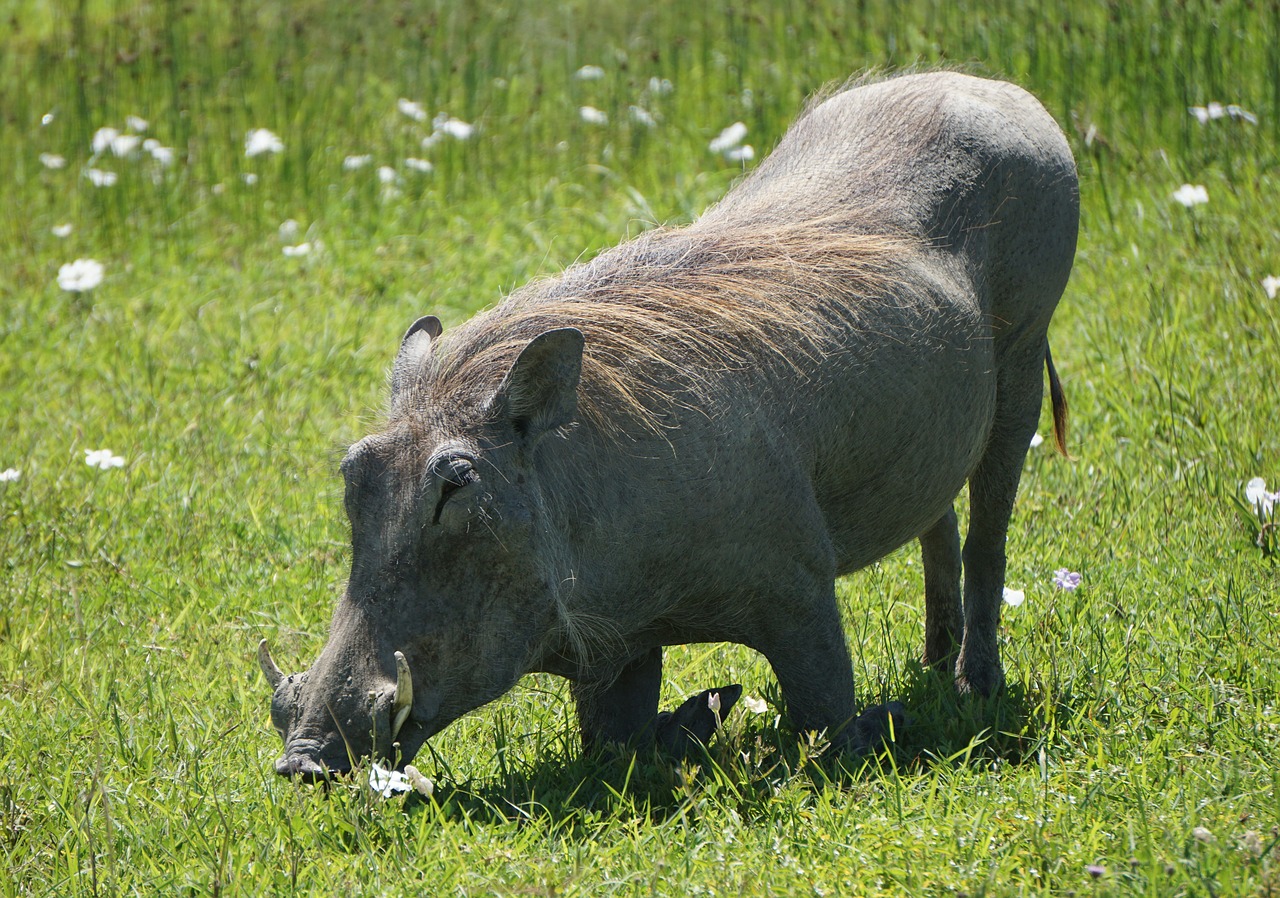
(1097, 871)
(1065, 579)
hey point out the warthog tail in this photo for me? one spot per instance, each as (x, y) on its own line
(1059, 400)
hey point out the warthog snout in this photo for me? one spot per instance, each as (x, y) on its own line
(376, 723)
(304, 768)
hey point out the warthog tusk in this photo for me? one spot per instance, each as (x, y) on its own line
(402, 702)
(269, 669)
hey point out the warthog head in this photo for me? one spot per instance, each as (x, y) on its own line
(454, 569)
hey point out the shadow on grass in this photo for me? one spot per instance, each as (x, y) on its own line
(947, 727)
(753, 760)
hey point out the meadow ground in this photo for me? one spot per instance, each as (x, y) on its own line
(239, 337)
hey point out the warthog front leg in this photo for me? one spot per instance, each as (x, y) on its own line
(624, 711)
(619, 710)
(810, 657)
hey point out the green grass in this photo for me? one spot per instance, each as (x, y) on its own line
(135, 748)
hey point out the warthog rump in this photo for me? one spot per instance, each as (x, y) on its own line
(688, 438)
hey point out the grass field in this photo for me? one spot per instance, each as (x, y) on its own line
(1137, 750)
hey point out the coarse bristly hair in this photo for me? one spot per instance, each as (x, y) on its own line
(666, 313)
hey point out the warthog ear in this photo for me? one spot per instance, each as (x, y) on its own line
(415, 346)
(540, 392)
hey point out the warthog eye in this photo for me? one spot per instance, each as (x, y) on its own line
(453, 472)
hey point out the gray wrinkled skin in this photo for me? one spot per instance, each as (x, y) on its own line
(510, 520)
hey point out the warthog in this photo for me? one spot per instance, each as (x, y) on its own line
(688, 438)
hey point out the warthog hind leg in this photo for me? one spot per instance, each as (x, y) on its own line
(943, 609)
(992, 489)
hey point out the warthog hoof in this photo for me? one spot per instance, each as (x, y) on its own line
(877, 726)
(697, 719)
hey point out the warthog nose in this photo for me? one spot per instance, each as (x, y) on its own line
(302, 767)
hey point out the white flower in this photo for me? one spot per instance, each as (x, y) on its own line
(1243, 114)
(384, 781)
(125, 144)
(755, 705)
(411, 109)
(102, 139)
(1204, 114)
(642, 116)
(419, 782)
(713, 702)
(744, 153)
(453, 127)
(248, 177)
(1014, 597)
(1212, 111)
(8, 475)
(660, 86)
(100, 178)
(729, 138)
(1191, 195)
(589, 73)
(593, 116)
(351, 163)
(259, 140)
(288, 230)
(52, 160)
(1271, 284)
(136, 123)
(80, 275)
(162, 154)
(419, 165)
(102, 459)
(62, 230)
(1036, 440)
(1204, 834)
(1255, 493)
(46, 119)
(300, 250)
(387, 174)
